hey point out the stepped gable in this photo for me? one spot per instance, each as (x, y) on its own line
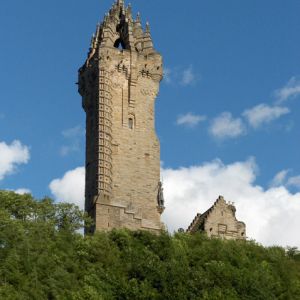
(219, 221)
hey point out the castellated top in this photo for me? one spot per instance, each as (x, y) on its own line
(119, 83)
(120, 30)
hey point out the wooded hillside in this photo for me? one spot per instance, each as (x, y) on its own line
(42, 256)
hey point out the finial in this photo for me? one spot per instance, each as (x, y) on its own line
(147, 27)
(138, 17)
(121, 3)
(106, 16)
(128, 9)
(97, 32)
(92, 41)
(128, 12)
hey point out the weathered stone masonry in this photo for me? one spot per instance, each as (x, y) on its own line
(219, 221)
(119, 83)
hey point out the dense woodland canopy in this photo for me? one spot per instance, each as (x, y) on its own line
(43, 256)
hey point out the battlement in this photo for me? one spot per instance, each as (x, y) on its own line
(120, 30)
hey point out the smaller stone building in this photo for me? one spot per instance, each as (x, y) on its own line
(219, 221)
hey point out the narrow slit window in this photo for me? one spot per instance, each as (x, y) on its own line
(130, 123)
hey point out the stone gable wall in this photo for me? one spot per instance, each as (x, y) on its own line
(221, 222)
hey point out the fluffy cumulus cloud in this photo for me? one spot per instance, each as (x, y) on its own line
(190, 120)
(271, 215)
(11, 156)
(225, 126)
(289, 91)
(263, 114)
(70, 188)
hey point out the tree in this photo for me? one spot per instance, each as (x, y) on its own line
(43, 256)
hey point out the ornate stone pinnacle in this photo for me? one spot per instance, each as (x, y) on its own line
(147, 27)
(128, 9)
(92, 41)
(120, 3)
(138, 17)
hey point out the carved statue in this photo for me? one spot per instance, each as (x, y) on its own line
(160, 196)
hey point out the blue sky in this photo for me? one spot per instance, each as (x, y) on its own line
(231, 89)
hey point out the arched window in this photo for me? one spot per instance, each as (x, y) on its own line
(119, 44)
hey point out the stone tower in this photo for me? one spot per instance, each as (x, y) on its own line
(119, 83)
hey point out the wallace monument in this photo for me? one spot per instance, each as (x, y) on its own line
(119, 83)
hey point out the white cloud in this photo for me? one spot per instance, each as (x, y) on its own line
(263, 113)
(188, 77)
(190, 119)
(167, 75)
(73, 137)
(271, 215)
(289, 91)
(225, 126)
(294, 181)
(22, 191)
(70, 188)
(73, 132)
(11, 156)
(184, 76)
(282, 179)
(279, 178)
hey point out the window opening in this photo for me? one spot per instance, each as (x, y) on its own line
(130, 123)
(119, 44)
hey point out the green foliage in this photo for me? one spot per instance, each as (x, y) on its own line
(43, 256)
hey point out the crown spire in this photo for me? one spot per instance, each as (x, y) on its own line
(138, 18)
(147, 27)
(129, 12)
(121, 3)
